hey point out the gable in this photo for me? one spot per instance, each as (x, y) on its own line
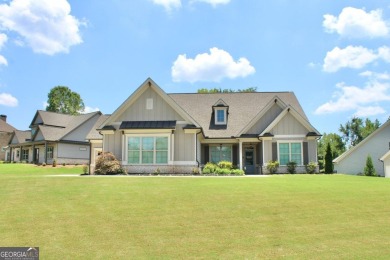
(39, 135)
(265, 120)
(80, 133)
(289, 125)
(149, 106)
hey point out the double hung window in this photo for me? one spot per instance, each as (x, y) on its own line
(147, 150)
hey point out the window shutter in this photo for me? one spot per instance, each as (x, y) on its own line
(274, 151)
(206, 154)
(305, 153)
(235, 157)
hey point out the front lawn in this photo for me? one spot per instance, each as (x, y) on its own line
(293, 216)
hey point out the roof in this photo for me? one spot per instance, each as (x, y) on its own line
(352, 149)
(94, 133)
(148, 125)
(243, 109)
(5, 127)
(22, 136)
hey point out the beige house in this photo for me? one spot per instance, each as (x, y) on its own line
(177, 133)
(377, 145)
(6, 131)
(54, 136)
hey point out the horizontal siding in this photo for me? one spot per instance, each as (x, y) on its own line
(73, 151)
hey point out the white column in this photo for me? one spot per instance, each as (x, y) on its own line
(240, 153)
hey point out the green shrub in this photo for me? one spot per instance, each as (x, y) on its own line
(107, 164)
(369, 169)
(272, 167)
(222, 171)
(85, 169)
(225, 165)
(211, 166)
(238, 172)
(43, 164)
(311, 167)
(206, 171)
(292, 167)
(54, 163)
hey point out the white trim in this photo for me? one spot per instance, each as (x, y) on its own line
(289, 142)
(147, 131)
(107, 132)
(240, 153)
(289, 136)
(224, 109)
(184, 163)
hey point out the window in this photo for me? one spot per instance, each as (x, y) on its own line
(25, 155)
(220, 116)
(290, 152)
(147, 150)
(49, 151)
(149, 103)
(220, 153)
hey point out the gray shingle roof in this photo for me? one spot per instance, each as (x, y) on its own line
(5, 127)
(243, 108)
(94, 133)
(22, 136)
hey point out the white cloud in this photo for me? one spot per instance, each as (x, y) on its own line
(214, 3)
(3, 61)
(44, 25)
(355, 57)
(364, 101)
(8, 100)
(88, 109)
(357, 23)
(3, 40)
(350, 57)
(169, 5)
(214, 67)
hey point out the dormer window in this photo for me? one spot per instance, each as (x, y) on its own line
(220, 110)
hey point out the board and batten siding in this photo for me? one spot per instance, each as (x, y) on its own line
(376, 146)
(289, 125)
(184, 145)
(265, 120)
(160, 110)
(113, 144)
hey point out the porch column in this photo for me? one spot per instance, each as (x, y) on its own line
(34, 155)
(10, 154)
(240, 153)
(45, 153)
(20, 153)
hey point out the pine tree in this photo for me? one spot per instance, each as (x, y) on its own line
(369, 170)
(328, 160)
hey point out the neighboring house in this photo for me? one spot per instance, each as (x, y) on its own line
(54, 136)
(96, 141)
(6, 131)
(177, 133)
(377, 145)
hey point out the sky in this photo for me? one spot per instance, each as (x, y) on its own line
(334, 55)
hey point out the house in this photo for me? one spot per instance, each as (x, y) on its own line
(177, 133)
(96, 141)
(54, 136)
(377, 145)
(6, 131)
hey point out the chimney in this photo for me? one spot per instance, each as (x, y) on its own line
(3, 117)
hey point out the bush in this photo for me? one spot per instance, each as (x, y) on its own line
(85, 169)
(43, 164)
(222, 171)
(237, 172)
(311, 167)
(107, 164)
(206, 171)
(225, 165)
(369, 169)
(272, 167)
(212, 167)
(292, 167)
(54, 163)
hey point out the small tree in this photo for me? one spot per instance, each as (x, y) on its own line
(369, 170)
(328, 160)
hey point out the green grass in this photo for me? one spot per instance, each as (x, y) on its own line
(291, 216)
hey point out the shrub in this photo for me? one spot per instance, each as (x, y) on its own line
(206, 171)
(85, 169)
(211, 166)
(195, 171)
(222, 171)
(54, 163)
(311, 167)
(43, 164)
(328, 160)
(107, 164)
(369, 169)
(272, 167)
(238, 172)
(157, 171)
(225, 165)
(292, 167)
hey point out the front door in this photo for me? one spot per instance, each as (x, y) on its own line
(249, 161)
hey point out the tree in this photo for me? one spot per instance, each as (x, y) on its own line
(219, 90)
(355, 131)
(328, 160)
(61, 99)
(337, 146)
(369, 169)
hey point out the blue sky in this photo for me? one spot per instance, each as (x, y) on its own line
(334, 55)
